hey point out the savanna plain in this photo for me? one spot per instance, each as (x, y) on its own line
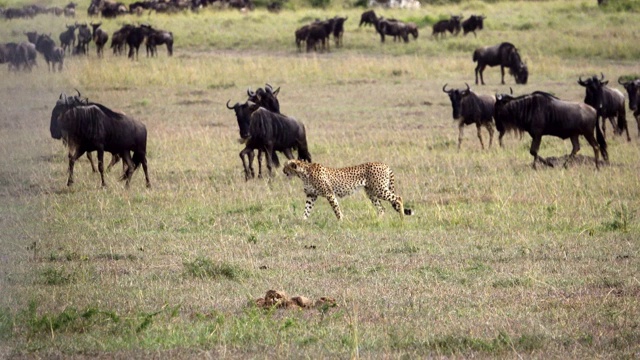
(499, 261)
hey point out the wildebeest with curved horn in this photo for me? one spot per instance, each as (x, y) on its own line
(473, 23)
(368, 18)
(471, 108)
(451, 25)
(86, 126)
(542, 114)
(633, 90)
(608, 102)
(505, 55)
(268, 132)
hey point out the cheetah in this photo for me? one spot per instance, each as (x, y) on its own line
(376, 178)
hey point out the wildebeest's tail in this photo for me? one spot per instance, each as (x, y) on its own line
(303, 152)
(275, 160)
(137, 159)
(602, 143)
(622, 121)
(475, 56)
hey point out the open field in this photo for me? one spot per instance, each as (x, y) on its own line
(500, 261)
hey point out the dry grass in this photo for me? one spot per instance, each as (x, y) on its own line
(500, 260)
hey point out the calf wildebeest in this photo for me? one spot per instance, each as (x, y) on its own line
(68, 38)
(268, 132)
(84, 38)
(505, 55)
(100, 38)
(392, 27)
(471, 108)
(542, 114)
(86, 126)
(52, 54)
(633, 89)
(157, 37)
(608, 102)
(338, 30)
(451, 25)
(368, 18)
(473, 23)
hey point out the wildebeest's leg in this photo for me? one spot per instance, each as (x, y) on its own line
(490, 129)
(101, 166)
(501, 72)
(480, 69)
(126, 157)
(269, 155)
(535, 146)
(460, 134)
(575, 142)
(245, 152)
(93, 166)
(146, 172)
(311, 199)
(636, 114)
(479, 128)
(594, 144)
(73, 156)
(115, 158)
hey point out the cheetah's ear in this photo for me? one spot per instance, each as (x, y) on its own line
(293, 165)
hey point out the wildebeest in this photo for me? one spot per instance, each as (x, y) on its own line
(542, 114)
(451, 25)
(471, 108)
(268, 132)
(338, 30)
(473, 23)
(135, 37)
(68, 38)
(100, 38)
(84, 38)
(633, 90)
(319, 32)
(52, 54)
(505, 55)
(392, 27)
(157, 37)
(86, 126)
(368, 18)
(19, 54)
(608, 102)
(119, 39)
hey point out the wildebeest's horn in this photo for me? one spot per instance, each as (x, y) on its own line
(510, 90)
(622, 83)
(268, 87)
(250, 93)
(229, 107)
(601, 76)
(580, 81)
(79, 96)
(468, 88)
(444, 89)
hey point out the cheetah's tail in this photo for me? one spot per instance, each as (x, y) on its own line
(408, 212)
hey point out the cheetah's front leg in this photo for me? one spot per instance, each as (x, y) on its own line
(334, 204)
(311, 200)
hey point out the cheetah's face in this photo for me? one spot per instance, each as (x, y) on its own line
(294, 168)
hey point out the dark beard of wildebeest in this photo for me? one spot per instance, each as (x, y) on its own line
(633, 90)
(368, 18)
(392, 27)
(68, 38)
(505, 55)
(473, 23)
(609, 103)
(52, 54)
(100, 38)
(470, 108)
(86, 127)
(264, 130)
(542, 114)
(451, 25)
(320, 31)
(157, 37)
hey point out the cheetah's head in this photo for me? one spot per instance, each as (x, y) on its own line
(294, 168)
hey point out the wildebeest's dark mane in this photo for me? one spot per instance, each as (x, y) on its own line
(88, 122)
(110, 113)
(545, 94)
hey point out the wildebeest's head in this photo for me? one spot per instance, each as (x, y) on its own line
(267, 98)
(594, 91)
(63, 104)
(456, 95)
(517, 67)
(243, 115)
(633, 90)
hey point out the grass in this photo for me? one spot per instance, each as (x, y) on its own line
(499, 261)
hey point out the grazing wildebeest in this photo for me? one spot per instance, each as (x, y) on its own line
(86, 127)
(157, 37)
(608, 102)
(52, 54)
(451, 25)
(471, 108)
(268, 132)
(68, 38)
(392, 27)
(368, 18)
(542, 114)
(84, 38)
(473, 23)
(135, 37)
(100, 38)
(320, 31)
(338, 30)
(633, 89)
(505, 55)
